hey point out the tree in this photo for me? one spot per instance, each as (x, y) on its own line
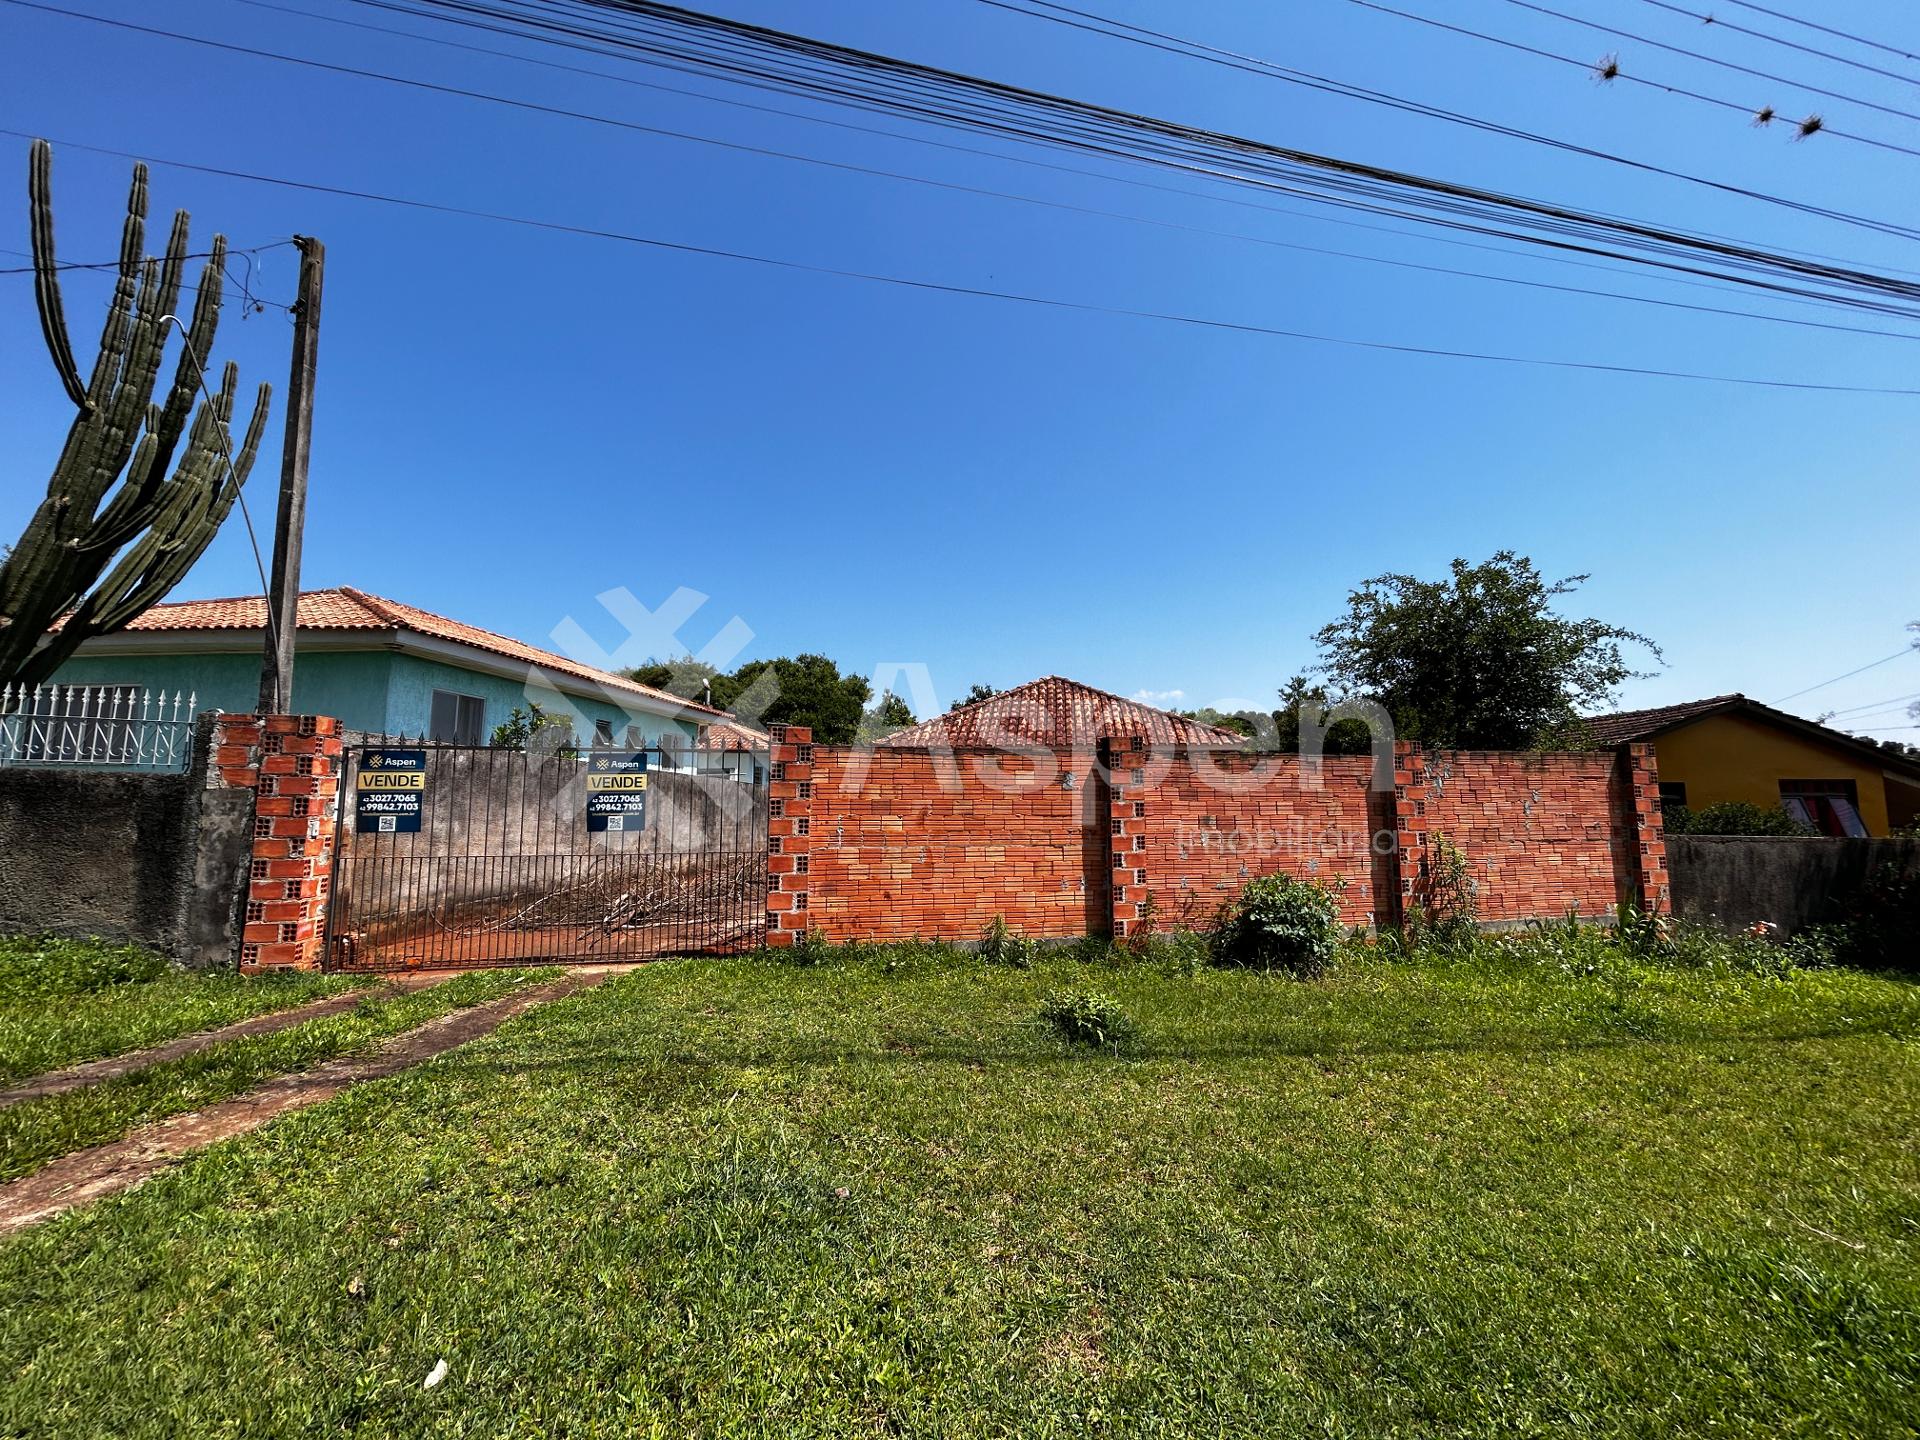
(683, 676)
(1239, 724)
(889, 714)
(974, 696)
(1299, 696)
(1480, 660)
(535, 730)
(99, 559)
(801, 690)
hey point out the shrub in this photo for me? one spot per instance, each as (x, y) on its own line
(1882, 924)
(1453, 907)
(1001, 946)
(1737, 817)
(1090, 1019)
(1278, 923)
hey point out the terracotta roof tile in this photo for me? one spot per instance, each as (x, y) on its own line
(1056, 711)
(1626, 725)
(731, 734)
(348, 609)
(1630, 725)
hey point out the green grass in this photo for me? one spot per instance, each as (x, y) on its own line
(1486, 1197)
(64, 1001)
(33, 1132)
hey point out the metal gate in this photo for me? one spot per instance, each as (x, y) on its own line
(470, 856)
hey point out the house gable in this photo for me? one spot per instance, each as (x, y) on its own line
(1733, 755)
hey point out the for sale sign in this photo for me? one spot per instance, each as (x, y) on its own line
(391, 789)
(617, 792)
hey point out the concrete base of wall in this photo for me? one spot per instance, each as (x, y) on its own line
(154, 860)
(1739, 880)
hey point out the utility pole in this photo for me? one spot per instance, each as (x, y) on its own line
(283, 594)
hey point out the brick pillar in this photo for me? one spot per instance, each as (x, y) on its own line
(1123, 760)
(292, 765)
(789, 832)
(1410, 825)
(1648, 864)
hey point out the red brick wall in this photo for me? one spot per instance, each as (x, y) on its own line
(935, 844)
(902, 843)
(1218, 820)
(1542, 833)
(790, 788)
(292, 765)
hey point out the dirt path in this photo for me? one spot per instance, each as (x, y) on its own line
(93, 1072)
(89, 1175)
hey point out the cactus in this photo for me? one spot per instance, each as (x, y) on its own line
(100, 559)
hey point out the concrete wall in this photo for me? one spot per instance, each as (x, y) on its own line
(1739, 880)
(155, 860)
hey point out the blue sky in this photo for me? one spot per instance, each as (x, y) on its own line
(510, 421)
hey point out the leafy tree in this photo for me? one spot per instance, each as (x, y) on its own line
(683, 676)
(1480, 660)
(889, 713)
(797, 690)
(973, 697)
(1345, 736)
(1207, 715)
(535, 730)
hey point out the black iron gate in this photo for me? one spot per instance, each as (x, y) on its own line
(500, 857)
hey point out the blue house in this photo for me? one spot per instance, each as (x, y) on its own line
(381, 667)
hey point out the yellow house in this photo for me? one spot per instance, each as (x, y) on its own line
(1732, 748)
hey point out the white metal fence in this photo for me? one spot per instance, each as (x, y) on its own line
(96, 727)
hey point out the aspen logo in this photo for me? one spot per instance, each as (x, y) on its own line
(617, 793)
(391, 788)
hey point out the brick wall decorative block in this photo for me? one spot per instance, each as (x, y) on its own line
(292, 764)
(1654, 892)
(791, 787)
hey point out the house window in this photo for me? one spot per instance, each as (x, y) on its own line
(676, 751)
(603, 733)
(1829, 807)
(457, 719)
(1673, 792)
(636, 738)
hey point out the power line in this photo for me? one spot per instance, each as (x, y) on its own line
(575, 39)
(1772, 39)
(1825, 29)
(978, 292)
(1906, 650)
(1711, 60)
(1616, 74)
(1120, 30)
(1449, 200)
(1875, 705)
(929, 141)
(244, 283)
(1589, 291)
(736, 37)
